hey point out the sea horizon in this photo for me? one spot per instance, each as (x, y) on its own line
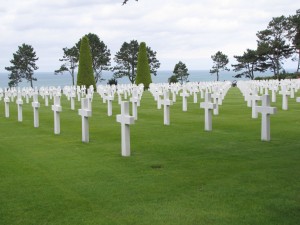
(50, 79)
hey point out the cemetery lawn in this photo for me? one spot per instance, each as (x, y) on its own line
(176, 175)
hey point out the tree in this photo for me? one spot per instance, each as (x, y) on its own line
(293, 34)
(143, 75)
(127, 58)
(180, 72)
(70, 58)
(85, 74)
(272, 44)
(23, 65)
(172, 79)
(125, 1)
(248, 63)
(220, 61)
(100, 55)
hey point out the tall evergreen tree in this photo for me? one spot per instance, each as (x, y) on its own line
(100, 55)
(85, 74)
(23, 65)
(143, 75)
(127, 58)
(220, 61)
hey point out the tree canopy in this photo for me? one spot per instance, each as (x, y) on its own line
(180, 73)
(100, 55)
(220, 61)
(125, 1)
(70, 59)
(272, 45)
(127, 58)
(23, 65)
(143, 69)
(248, 63)
(85, 70)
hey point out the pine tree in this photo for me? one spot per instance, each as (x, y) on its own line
(143, 69)
(23, 65)
(85, 74)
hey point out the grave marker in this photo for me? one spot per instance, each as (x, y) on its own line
(266, 111)
(56, 107)
(85, 112)
(285, 93)
(167, 103)
(125, 119)
(208, 106)
(35, 105)
(20, 109)
(6, 102)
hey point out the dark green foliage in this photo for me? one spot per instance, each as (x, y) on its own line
(220, 61)
(23, 66)
(293, 34)
(85, 74)
(247, 64)
(70, 57)
(143, 75)
(272, 44)
(125, 1)
(112, 81)
(180, 73)
(282, 75)
(127, 58)
(100, 55)
(172, 79)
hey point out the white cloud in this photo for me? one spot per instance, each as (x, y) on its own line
(190, 31)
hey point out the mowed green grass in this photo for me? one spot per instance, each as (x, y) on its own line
(177, 174)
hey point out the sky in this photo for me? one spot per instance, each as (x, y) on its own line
(178, 30)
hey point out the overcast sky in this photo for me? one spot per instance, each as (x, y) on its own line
(186, 30)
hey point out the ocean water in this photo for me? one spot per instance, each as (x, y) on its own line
(50, 79)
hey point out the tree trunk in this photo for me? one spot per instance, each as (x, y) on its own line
(72, 74)
(298, 67)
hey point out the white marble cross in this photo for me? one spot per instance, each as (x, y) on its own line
(35, 105)
(266, 111)
(158, 99)
(46, 96)
(184, 96)
(6, 101)
(85, 112)
(109, 99)
(285, 93)
(167, 103)
(125, 119)
(56, 108)
(134, 101)
(20, 109)
(72, 97)
(274, 90)
(255, 98)
(208, 106)
(216, 97)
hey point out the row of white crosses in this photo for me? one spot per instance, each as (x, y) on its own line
(214, 91)
(250, 89)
